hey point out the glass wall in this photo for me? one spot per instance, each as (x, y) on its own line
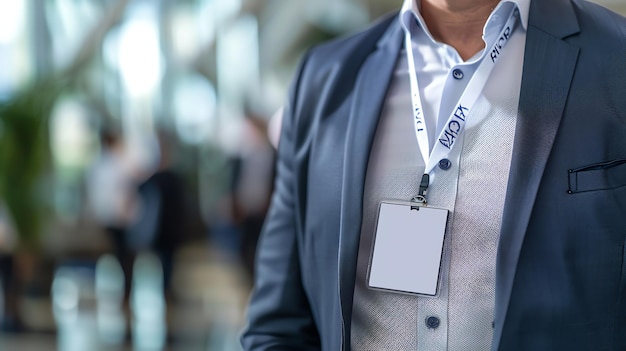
(135, 165)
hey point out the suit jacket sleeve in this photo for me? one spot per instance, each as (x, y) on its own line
(279, 315)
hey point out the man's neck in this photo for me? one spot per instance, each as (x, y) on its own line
(458, 23)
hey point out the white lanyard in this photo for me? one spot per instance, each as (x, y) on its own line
(455, 125)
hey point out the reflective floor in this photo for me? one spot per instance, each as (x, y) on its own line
(204, 313)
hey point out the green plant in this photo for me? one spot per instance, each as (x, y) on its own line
(25, 156)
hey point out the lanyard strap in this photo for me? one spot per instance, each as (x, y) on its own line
(455, 125)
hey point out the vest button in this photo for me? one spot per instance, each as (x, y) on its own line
(432, 322)
(445, 164)
(457, 74)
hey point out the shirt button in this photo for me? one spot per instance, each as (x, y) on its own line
(432, 322)
(457, 73)
(445, 164)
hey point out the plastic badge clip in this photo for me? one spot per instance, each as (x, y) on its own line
(420, 198)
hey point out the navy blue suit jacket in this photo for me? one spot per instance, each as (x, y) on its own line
(561, 264)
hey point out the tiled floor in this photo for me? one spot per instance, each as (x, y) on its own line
(210, 292)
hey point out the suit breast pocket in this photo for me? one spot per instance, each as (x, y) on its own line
(598, 176)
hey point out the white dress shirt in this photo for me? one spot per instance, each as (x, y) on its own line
(473, 190)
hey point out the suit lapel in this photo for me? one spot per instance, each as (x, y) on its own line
(369, 95)
(549, 64)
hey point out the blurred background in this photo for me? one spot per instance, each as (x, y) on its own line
(136, 162)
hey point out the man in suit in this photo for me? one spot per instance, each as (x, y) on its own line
(516, 109)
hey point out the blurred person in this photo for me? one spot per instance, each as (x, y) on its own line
(9, 317)
(253, 173)
(452, 178)
(111, 191)
(160, 224)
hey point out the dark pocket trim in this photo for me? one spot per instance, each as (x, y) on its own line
(573, 181)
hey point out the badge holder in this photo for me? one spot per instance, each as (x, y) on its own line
(408, 246)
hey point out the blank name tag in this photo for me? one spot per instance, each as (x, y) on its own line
(408, 246)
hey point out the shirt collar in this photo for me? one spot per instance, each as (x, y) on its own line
(410, 12)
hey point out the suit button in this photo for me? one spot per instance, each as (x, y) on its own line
(457, 74)
(445, 164)
(432, 322)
